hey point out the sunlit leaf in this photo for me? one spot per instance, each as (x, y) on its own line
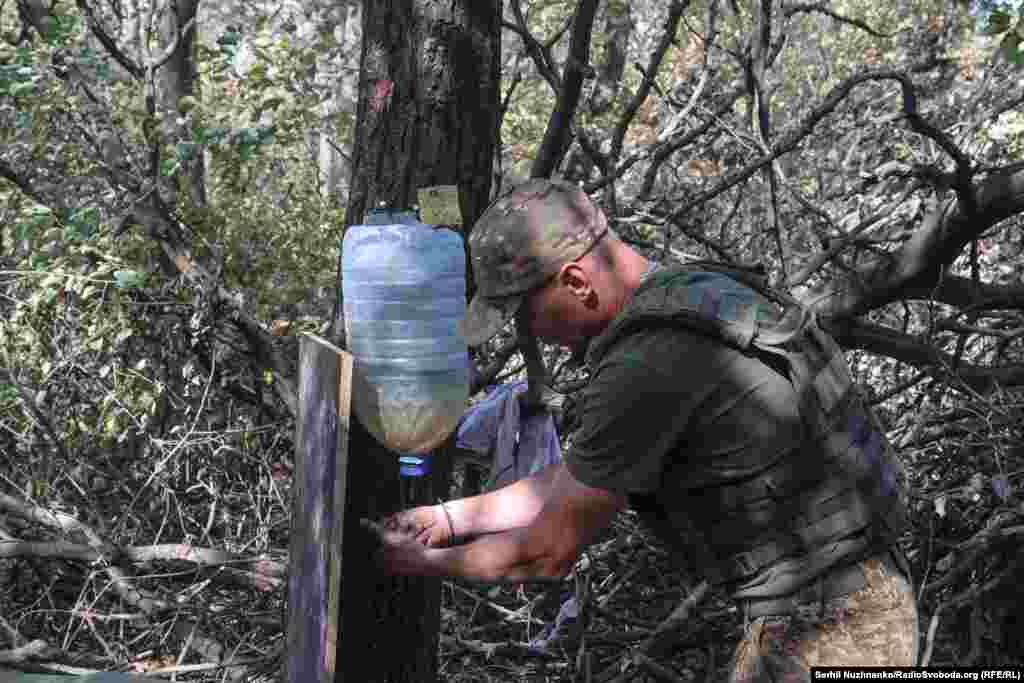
(128, 279)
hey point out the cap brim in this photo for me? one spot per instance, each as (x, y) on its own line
(485, 317)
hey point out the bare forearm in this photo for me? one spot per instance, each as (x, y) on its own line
(510, 507)
(509, 556)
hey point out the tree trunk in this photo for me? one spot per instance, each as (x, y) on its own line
(428, 103)
(427, 115)
(177, 79)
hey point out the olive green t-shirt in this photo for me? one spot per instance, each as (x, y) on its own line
(669, 402)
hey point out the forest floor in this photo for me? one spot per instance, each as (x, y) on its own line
(205, 619)
(631, 585)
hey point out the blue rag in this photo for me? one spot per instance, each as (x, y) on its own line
(521, 445)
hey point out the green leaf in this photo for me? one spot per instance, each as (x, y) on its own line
(18, 89)
(998, 22)
(212, 136)
(129, 279)
(1011, 49)
(184, 151)
(82, 224)
(104, 71)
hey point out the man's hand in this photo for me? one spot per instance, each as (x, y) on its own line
(400, 553)
(427, 524)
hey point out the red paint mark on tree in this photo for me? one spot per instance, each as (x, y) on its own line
(381, 95)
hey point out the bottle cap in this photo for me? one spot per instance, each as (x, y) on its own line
(413, 466)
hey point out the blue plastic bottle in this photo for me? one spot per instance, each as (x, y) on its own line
(404, 290)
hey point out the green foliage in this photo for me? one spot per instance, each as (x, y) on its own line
(1004, 21)
(8, 394)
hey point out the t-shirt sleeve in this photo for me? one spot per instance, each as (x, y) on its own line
(635, 410)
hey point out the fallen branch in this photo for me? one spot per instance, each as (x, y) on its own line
(103, 553)
(656, 643)
(488, 650)
(662, 638)
(33, 650)
(266, 575)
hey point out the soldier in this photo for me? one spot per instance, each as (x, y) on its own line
(718, 410)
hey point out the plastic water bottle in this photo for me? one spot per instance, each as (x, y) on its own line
(404, 290)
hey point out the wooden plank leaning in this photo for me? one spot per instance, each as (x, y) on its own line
(318, 508)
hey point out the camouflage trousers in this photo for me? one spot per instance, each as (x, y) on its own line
(874, 626)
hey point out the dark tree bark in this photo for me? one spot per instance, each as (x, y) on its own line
(428, 103)
(178, 79)
(427, 115)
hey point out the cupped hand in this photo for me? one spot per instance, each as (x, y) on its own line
(399, 553)
(428, 524)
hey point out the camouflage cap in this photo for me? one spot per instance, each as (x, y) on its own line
(519, 243)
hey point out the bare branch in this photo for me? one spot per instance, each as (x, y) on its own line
(668, 34)
(818, 260)
(488, 374)
(172, 47)
(918, 266)
(108, 42)
(968, 295)
(823, 8)
(21, 183)
(790, 140)
(559, 129)
(908, 349)
(32, 650)
(662, 153)
(540, 54)
(163, 227)
(45, 420)
(964, 167)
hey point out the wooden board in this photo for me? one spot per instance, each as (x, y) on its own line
(318, 511)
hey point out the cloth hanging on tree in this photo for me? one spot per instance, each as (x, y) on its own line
(521, 444)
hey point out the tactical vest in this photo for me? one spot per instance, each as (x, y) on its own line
(839, 496)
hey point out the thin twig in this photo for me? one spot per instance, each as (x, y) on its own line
(933, 627)
(510, 615)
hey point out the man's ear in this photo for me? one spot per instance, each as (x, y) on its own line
(577, 280)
